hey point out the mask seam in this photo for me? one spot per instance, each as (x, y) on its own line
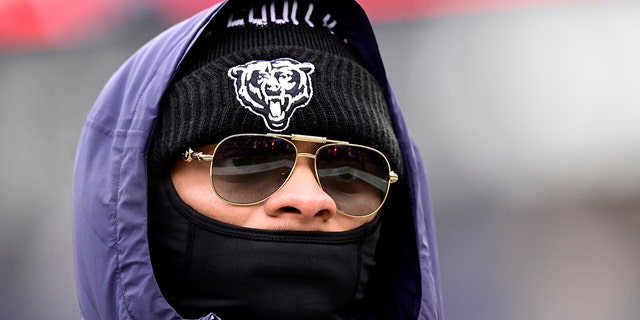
(358, 277)
(187, 260)
(281, 236)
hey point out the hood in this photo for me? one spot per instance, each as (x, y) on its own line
(113, 270)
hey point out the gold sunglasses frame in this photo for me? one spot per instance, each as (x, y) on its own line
(190, 155)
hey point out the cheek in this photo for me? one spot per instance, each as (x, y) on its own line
(193, 185)
(348, 223)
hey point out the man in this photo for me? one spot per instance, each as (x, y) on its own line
(252, 163)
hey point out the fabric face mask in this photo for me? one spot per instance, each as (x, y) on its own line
(205, 266)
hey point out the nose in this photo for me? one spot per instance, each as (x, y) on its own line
(302, 196)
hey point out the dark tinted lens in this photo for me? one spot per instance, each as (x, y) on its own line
(248, 169)
(357, 178)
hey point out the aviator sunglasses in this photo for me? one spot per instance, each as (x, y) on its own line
(247, 169)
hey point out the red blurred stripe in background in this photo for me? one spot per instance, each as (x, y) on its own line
(38, 23)
(42, 23)
(388, 10)
(381, 10)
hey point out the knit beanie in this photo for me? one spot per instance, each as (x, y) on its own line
(276, 66)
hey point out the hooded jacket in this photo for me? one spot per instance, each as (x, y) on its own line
(113, 269)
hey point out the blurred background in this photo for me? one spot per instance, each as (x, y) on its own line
(526, 112)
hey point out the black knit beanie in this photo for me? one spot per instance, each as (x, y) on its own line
(275, 66)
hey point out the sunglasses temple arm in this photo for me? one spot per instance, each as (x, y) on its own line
(393, 177)
(191, 155)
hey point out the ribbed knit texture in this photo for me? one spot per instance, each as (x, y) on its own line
(201, 108)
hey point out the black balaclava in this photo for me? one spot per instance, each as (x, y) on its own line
(203, 265)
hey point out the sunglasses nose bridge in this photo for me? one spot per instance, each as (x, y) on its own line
(306, 155)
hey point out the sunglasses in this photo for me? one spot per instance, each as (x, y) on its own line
(247, 169)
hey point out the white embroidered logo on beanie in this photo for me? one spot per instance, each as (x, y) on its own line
(273, 89)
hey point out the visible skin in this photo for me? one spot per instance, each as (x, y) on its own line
(301, 205)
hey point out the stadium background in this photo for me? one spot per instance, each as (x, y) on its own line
(526, 113)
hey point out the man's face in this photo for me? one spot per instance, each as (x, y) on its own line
(301, 205)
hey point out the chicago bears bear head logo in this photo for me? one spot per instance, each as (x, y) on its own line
(273, 89)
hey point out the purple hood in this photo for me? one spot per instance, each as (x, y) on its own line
(113, 269)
